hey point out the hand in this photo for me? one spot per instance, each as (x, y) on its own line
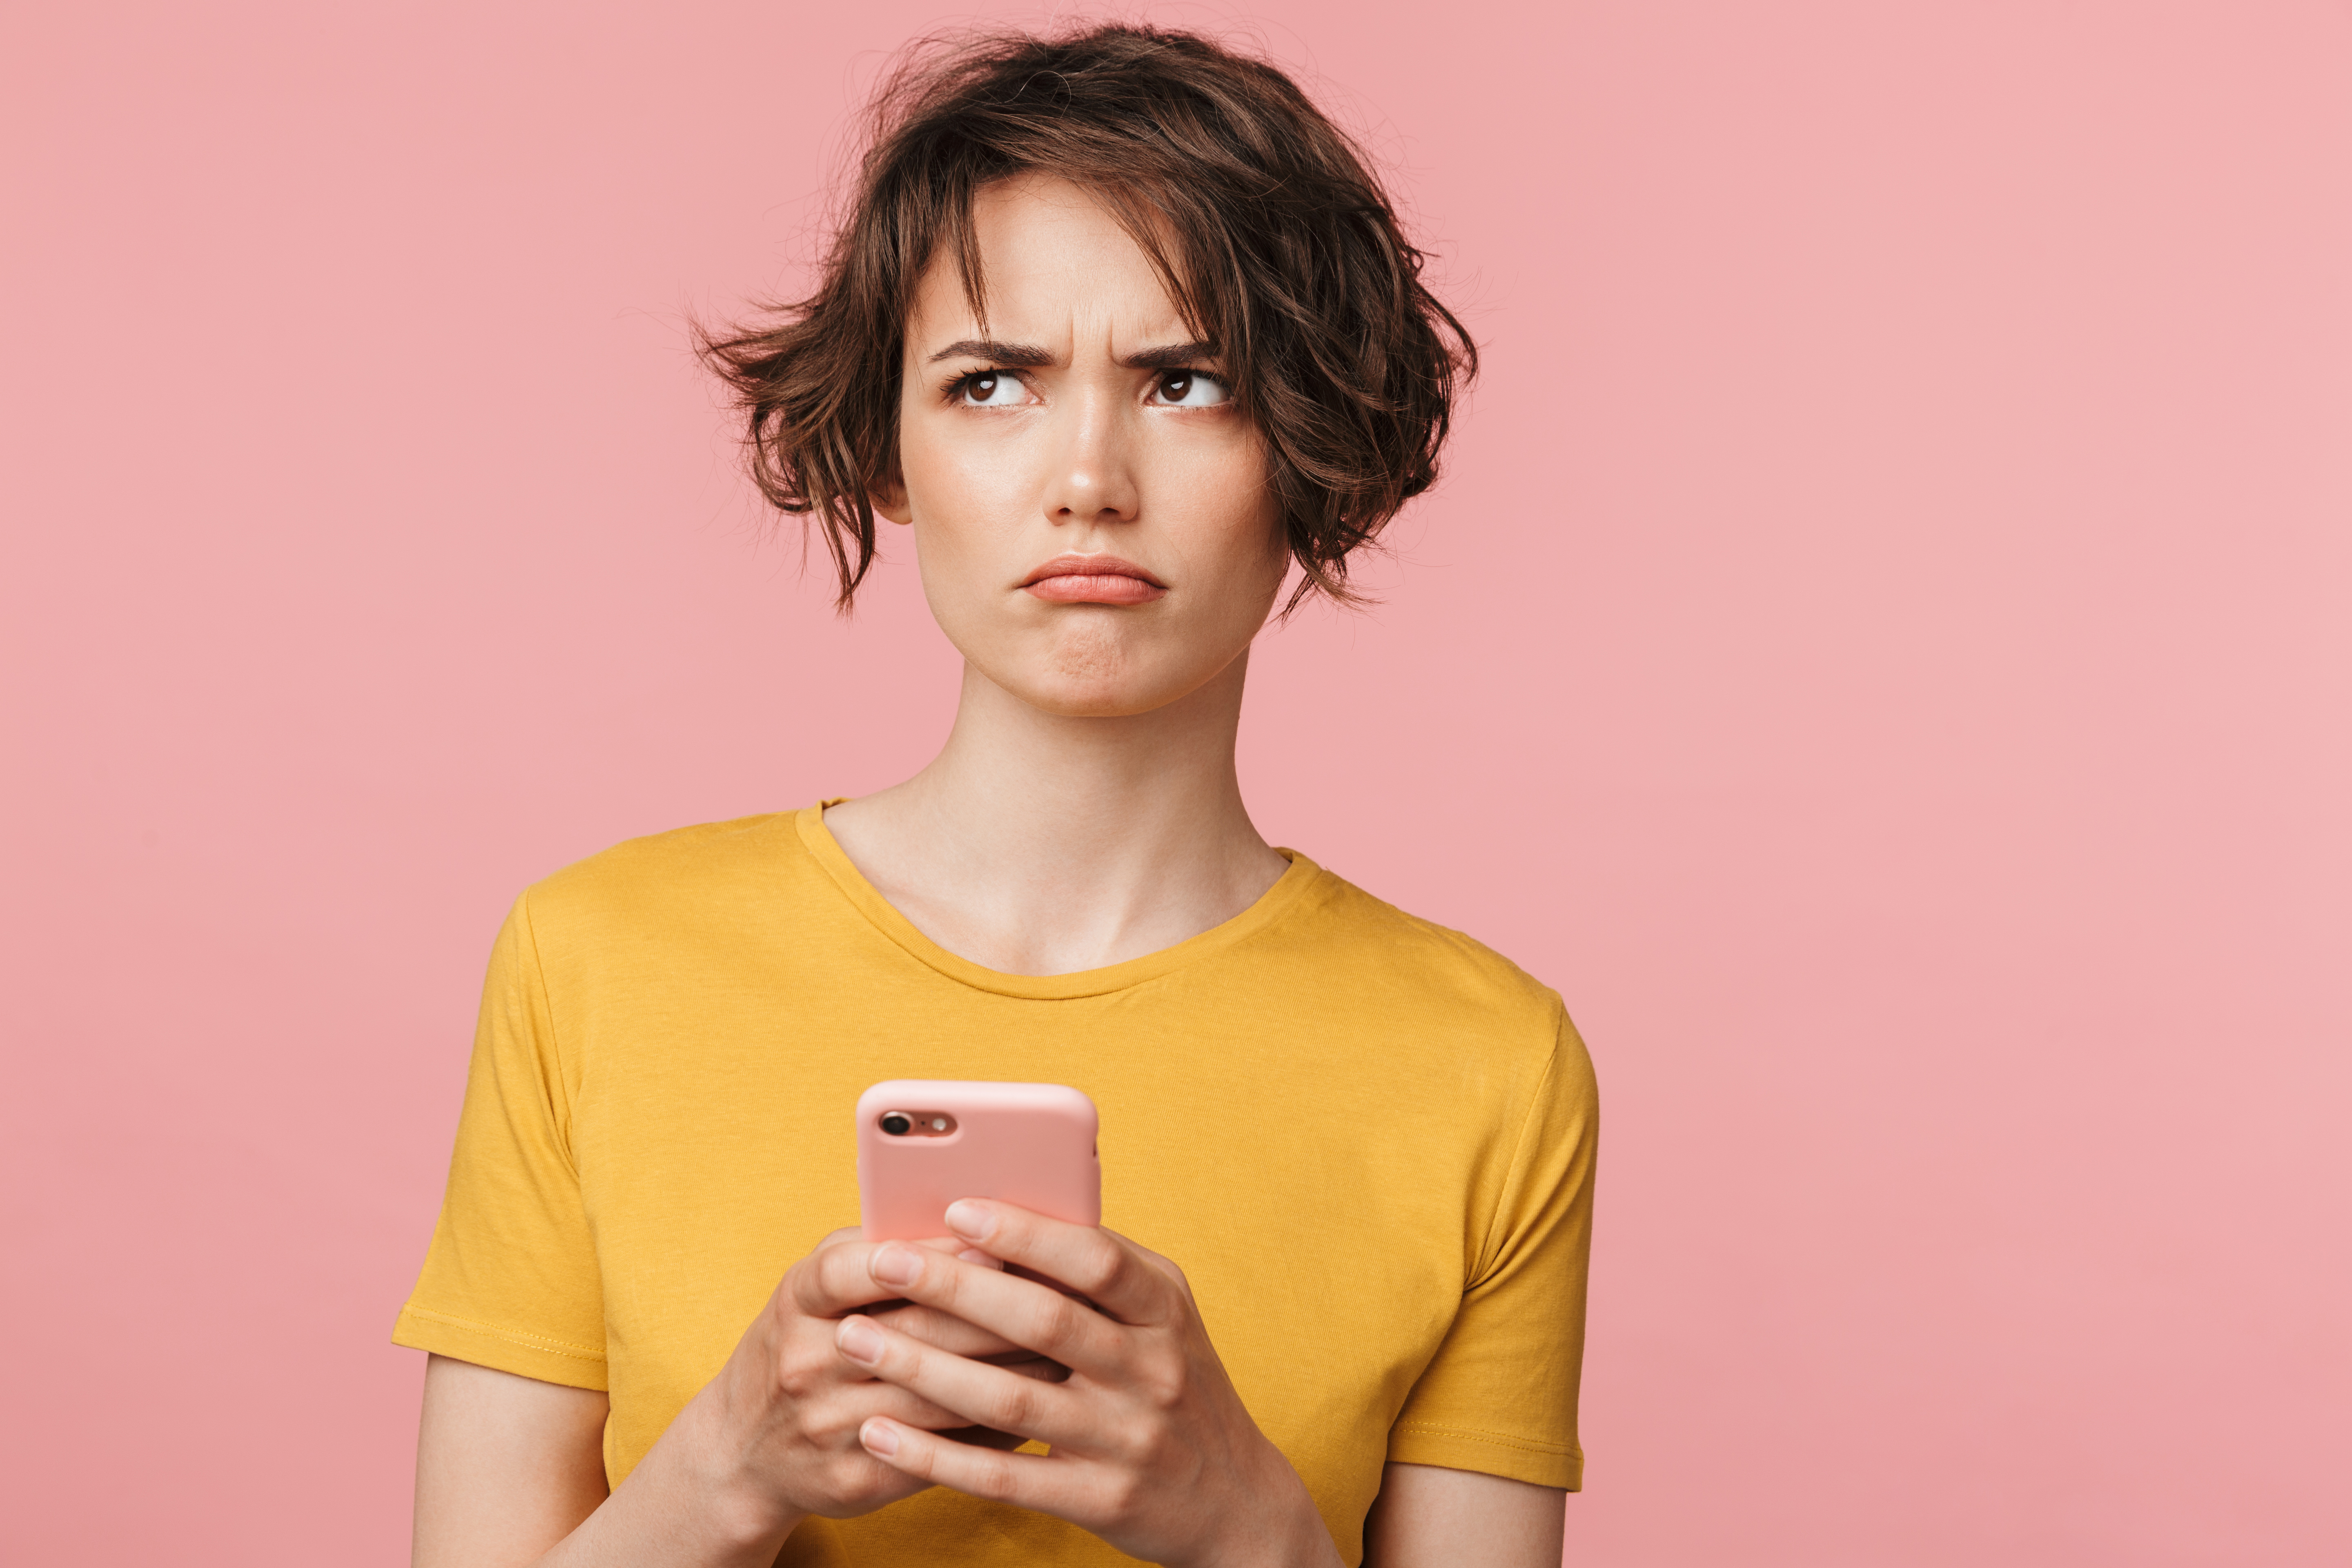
(1152, 1449)
(774, 1435)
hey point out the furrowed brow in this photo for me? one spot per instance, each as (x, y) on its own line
(1026, 355)
(1174, 356)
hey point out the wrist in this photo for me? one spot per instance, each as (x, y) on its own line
(1285, 1529)
(740, 1507)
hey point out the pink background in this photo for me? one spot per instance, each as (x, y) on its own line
(1882, 651)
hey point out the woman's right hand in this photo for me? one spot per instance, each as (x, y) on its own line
(509, 1469)
(773, 1437)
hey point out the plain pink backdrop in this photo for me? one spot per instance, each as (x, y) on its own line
(1881, 650)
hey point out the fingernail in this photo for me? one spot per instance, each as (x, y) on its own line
(879, 1438)
(860, 1340)
(897, 1265)
(970, 1221)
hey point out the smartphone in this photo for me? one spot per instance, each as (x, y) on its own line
(923, 1143)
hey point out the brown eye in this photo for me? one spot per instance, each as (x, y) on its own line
(989, 389)
(1188, 389)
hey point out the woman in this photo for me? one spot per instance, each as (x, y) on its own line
(1122, 330)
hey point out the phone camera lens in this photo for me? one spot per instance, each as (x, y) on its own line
(896, 1125)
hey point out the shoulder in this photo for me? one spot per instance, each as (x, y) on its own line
(1428, 954)
(1441, 1028)
(1433, 979)
(670, 882)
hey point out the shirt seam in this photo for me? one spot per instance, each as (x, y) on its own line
(1513, 1171)
(512, 1336)
(555, 1041)
(856, 897)
(1531, 1445)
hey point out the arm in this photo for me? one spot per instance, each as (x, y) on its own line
(511, 1474)
(510, 1471)
(1431, 1518)
(506, 1465)
(510, 1468)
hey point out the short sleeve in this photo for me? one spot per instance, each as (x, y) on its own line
(1499, 1396)
(510, 1281)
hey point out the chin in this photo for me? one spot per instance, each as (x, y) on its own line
(1097, 664)
(1075, 696)
(1090, 675)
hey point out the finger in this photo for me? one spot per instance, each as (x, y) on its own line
(948, 1244)
(854, 1232)
(1027, 1365)
(1025, 1480)
(1116, 1275)
(980, 1437)
(983, 1396)
(865, 1394)
(836, 1277)
(969, 1340)
(946, 1330)
(871, 1396)
(1037, 1317)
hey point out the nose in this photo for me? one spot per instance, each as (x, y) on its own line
(1093, 478)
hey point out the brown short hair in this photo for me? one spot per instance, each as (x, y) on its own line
(1265, 221)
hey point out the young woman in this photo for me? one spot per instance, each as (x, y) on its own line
(1123, 330)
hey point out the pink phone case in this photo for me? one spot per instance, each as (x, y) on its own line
(1028, 1143)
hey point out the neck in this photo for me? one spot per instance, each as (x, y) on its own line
(1039, 843)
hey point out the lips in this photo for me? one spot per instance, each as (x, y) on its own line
(1093, 580)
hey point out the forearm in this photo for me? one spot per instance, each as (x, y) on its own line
(510, 1470)
(1283, 1530)
(681, 1508)
(1294, 1537)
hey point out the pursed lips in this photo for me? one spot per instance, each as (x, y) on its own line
(1093, 580)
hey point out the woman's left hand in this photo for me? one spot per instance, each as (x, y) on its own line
(1152, 1449)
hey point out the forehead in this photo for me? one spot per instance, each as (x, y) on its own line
(1055, 265)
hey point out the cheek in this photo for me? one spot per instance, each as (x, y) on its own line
(1246, 535)
(959, 498)
(937, 475)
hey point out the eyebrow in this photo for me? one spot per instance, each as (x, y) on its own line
(989, 349)
(1169, 356)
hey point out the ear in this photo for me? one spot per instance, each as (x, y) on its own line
(889, 498)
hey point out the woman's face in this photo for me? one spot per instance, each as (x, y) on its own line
(1091, 514)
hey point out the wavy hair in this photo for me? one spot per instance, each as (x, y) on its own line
(1262, 219)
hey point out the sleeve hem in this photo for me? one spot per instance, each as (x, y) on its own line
(1488, 1453)
(502, 1350)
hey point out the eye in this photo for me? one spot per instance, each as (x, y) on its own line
(989, 389)
(1188, 389)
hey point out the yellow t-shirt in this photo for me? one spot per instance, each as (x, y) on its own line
(1366, 1141)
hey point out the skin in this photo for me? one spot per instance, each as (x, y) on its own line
(1084, 810)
